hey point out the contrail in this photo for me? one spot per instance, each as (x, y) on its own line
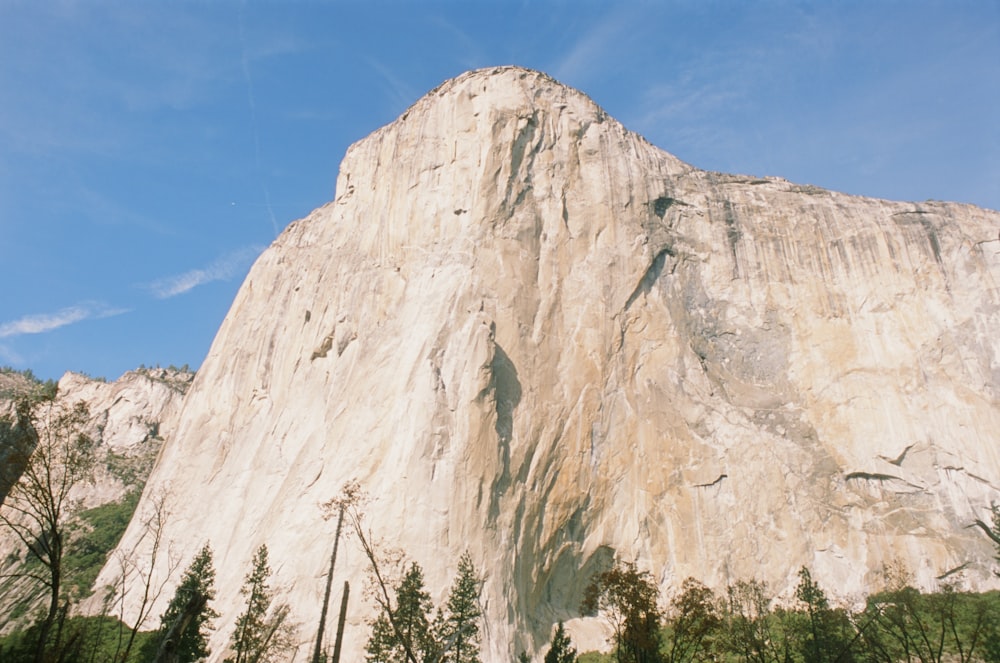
(223, 268)
(46, 322)
(253, 118)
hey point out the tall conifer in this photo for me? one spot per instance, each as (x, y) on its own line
(459, 625)
(196, 589)
(381, 642)
(412, 618)
(562, 650)
(262, 633)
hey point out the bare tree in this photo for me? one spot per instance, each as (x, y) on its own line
(339, 641)
(134, 574)
(37, 507)
(318, 649)
(349, 501)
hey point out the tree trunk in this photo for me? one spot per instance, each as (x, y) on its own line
(326, 596)
(167, 653)
(340, 624)
(55, 568)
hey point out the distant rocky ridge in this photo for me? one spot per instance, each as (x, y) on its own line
(128, 419)
(531, 335)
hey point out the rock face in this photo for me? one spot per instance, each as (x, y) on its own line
(128, 419)
(530, 334)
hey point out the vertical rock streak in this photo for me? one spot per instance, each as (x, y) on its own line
(531, 335)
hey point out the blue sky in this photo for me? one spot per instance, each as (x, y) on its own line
(150, 150)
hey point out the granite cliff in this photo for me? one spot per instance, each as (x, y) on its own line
(127, 419)
(531, 335)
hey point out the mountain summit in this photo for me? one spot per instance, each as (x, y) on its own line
(530, 335)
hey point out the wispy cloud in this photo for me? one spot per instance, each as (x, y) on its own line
(708, 103)
(252, 105)
(400, 93)
(72, 92)
(471, 51)
(688, 98)
(46, 322)
(595, 47)
(222, 269)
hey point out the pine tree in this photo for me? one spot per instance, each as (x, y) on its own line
(459, 625)
(262, 633)
(250, 624)
(412, 624)
(382, 641)
(827, 636)
(194, 591)
(562, 650)
(413, 610)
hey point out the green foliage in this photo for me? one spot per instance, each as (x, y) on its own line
(412, 618)
(263, 632)
(188, 617)
(628, 598)
(133, 468)
(900, 624)
(744, 625)
(94, 537)
(991, 631)
(746, 608)
(820, 633)
(561, 649)
(413, 614)
(36, 509)
(90, 639)
(382, 643)
(946, 625)
(406, 634)
(19, 610)
(458, 627)
(694, 621)
(25, 373)
(40, 390)
(250, 625)
(595, 657)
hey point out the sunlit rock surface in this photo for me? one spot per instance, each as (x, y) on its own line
(532, 335)
(128, 419)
